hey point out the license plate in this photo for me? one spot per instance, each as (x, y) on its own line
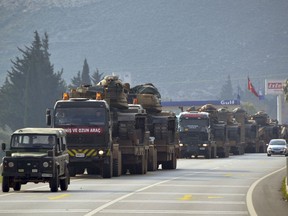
(46, 175)
(202, 148)
(80, 155)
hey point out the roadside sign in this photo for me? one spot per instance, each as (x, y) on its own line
(274, 87)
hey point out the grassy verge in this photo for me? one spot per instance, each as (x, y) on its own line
(284, 190)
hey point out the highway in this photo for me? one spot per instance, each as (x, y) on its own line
(197, 187)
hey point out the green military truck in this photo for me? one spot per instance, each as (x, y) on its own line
(36, 155)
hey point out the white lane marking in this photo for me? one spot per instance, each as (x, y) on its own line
(173, 212)
(125, 196)
(249, 200)
(30, 211)
(186, 201)
(206, 186)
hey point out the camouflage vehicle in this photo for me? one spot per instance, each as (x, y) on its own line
(128, 126)
(36, 155)
(219, 130)
(235, 131)
(239, 116)
(267, 130)
(284, 132)
(162, 126)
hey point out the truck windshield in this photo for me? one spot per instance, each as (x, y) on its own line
(193, 122)
(79, 116)
(33, 141)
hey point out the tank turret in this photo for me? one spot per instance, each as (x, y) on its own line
(211, 110)
(261, 118)
(147, 95)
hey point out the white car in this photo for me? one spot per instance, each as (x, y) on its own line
(277, 146)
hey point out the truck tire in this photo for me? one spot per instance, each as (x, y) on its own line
(107, 171)
(117, 163)
(170, 164)
(17, 186)
(72, 171)
(65, 181)
(54, 182)
(5, 184)
(152, 162)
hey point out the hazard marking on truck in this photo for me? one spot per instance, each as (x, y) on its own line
(84, 130)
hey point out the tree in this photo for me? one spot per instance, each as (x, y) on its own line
(30, 87)
(96, 77)
(286, 90)
(85, 76)
(227, 90)
(76, 81)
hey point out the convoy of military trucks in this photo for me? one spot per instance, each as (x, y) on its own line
(111, 129)
(227, 132)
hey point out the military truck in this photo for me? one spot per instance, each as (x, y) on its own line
(219, 130)
(125, 128)
(195, 135)
(267, 130)
(162, 126)
(129, 124)
(235, 131)
(88, 125)
(36, 155)
(239, 116)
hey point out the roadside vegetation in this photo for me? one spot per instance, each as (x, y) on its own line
(284, 189)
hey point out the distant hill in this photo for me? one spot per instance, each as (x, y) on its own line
(187, 48)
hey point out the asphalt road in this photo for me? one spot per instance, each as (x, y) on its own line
(196, 187)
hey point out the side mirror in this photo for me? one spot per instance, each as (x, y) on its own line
(3, 146)
(48, 117)
(64, 146)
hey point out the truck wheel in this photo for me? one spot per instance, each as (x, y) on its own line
(107, 169)
(5, 184)
(72, 171)
(170, 164)
(54, 182)
(17, 186)
(64, 182)
(208, 154)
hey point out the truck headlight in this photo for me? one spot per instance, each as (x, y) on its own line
(45, 164)
(10, 164)
(205, 145)
(101, 152)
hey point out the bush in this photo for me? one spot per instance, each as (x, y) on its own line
(284, 189)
